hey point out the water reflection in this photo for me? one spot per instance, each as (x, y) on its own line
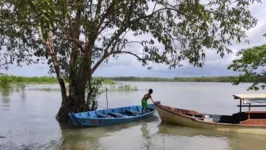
(146, 135)
(80, 139)
(190, 138)
(94, 138)
(88, 138)
(23, 96)
(234, 140)
(5, 92)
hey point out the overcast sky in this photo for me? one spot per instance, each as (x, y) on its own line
(127, 65)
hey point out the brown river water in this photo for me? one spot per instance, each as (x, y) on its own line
(27, 120)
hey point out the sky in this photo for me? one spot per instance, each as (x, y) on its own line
(127, 65)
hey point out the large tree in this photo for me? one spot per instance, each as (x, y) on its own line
(77, 36)
(251, 64)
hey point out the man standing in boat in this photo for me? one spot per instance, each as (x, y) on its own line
(144, 101)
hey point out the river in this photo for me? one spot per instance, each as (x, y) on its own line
(27, 120)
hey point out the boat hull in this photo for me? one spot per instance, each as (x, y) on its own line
(83, 119)
(169, 116)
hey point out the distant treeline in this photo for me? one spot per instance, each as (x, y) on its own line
(110, 80)
(176, 79)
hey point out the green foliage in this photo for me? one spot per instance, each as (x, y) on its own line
(4, 82)
(251, 63)
(41, 80)
(21, 79)
(127, 88)
(105, 80)
(94, 91)
(96, 85)
(119, 88)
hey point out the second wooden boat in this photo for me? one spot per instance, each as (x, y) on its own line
(253, 122)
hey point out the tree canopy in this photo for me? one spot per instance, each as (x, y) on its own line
(251, 63)
(192, 24)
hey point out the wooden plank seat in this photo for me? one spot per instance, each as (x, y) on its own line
(117, 115)
(102, 115)
(133, 112)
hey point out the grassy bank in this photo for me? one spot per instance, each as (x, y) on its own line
(36, 80)
(21, 82)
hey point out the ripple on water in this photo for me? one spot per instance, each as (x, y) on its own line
(5, 105)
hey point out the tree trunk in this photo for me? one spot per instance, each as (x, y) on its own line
(66, 107)
(76, 101)
(73, 103)
(79, 75)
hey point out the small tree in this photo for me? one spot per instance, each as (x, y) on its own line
(252, 63)
(76, 37)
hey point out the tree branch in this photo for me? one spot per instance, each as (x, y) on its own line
(115, 52)
(103, 16)
(119, 32)
(107, 54)
(99, 5)
(78, 43)
(128, 52)
(49, 43)
(153, 13)
(154, 6)
(106, 25)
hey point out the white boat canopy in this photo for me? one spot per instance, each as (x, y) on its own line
(250, 96)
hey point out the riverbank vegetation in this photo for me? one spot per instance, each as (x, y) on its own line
(4, 80)
(20, 81)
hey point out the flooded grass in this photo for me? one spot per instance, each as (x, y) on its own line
(113, 88)
(19, 82)
(9, 79)
(31, 87)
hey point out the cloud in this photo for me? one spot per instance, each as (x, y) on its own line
(127, 65)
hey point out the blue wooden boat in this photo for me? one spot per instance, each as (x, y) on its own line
(110, 116)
